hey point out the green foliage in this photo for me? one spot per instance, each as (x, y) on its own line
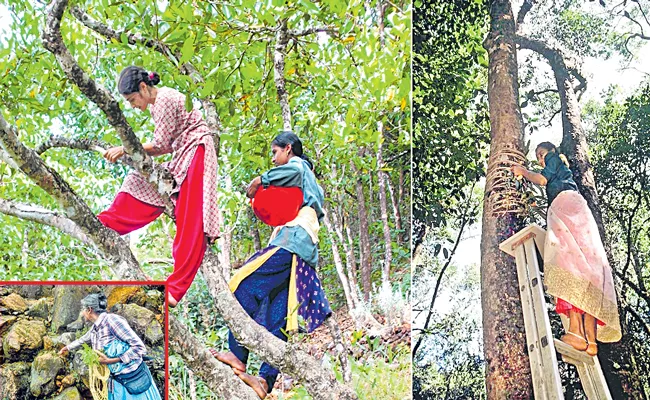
(89, 356)
(450, 107)
(449, 363)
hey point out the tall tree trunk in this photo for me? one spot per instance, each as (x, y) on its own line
(350, 259)
(338, 262)
(396, 213)
(364, 240)
(383, 206)
(281, 41)
(508, 368)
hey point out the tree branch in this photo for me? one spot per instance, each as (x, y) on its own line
(109, 242)
(310, 31)
(555, 57)
(461, 229)
(525, 8)
(77, 144)
(46, 217)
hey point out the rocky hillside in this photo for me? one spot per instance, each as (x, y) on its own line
(37, 321)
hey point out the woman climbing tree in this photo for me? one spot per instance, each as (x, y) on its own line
(279, 282)
(193, 165)
(576, 270)
(120, 348)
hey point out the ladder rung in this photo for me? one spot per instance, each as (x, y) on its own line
(568, 350)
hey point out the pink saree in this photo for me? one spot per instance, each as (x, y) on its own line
(576, 269)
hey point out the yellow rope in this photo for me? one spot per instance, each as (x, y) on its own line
(98, 381)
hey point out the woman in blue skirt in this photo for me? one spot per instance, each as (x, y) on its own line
(279, 282)
(121, 350)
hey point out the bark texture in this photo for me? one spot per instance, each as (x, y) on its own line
(508, 368)
(383, 207)
(365, 250)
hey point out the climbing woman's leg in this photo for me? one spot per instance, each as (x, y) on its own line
(590, 331)
(190, 242)
(127, 214)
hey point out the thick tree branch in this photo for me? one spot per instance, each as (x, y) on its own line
(77, 144)
(555, 57)
(198, 358)
(109, 242)
(310, 31)
(46, 217)
(525, 8)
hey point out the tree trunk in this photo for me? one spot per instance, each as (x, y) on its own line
(396, 213)
(364, 240)
(383, 206)
(508, 369)
(281, 41)
(350, 261)
(338, 262)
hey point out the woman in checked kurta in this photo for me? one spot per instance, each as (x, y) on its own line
(193, 165)
(121, 350)
(280, 282)
(576, 270)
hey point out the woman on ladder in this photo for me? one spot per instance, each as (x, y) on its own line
(576, 270)
(279, 282)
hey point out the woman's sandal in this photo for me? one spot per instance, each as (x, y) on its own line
(592, 348)
(579, 348)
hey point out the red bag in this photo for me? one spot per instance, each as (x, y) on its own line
(277, 205)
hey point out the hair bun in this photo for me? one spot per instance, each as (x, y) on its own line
(154, 78)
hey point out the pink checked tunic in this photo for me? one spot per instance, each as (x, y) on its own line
(179, 132)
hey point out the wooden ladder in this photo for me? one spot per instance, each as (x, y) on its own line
(542, 347)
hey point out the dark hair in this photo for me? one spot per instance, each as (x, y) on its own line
(97, 301)
(548, 146)
(132, 76)
(286, 138)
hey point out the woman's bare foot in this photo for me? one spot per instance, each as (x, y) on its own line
(592, 349)
(231, 359)
(574, 340)
(590, 333)
(259, 385)
(171, 301)
(575, 336)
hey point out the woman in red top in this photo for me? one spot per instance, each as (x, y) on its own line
(194, 166)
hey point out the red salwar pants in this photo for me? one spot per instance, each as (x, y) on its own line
(564, 307)
(127, 214)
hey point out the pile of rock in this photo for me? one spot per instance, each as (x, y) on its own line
(37, 321)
